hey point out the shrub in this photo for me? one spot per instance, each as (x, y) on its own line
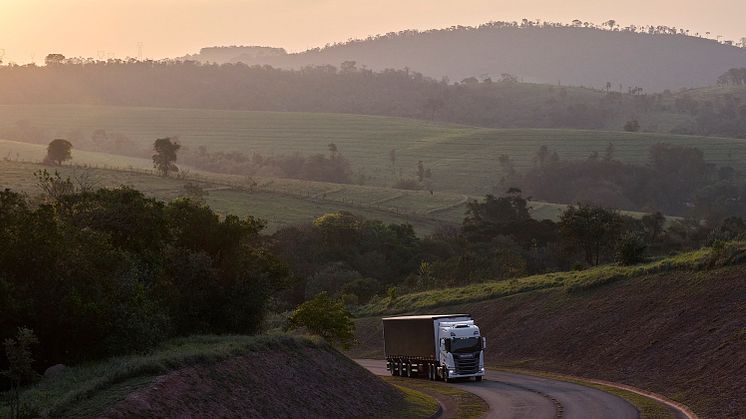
(632, 126)
(631, 250)
(325, 317)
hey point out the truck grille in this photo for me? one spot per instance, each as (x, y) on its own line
(466, 363)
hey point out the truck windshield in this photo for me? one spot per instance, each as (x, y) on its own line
(466, 344)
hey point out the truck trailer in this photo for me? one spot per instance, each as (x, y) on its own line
(436, 346)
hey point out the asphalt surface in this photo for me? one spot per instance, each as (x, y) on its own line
(517, 396)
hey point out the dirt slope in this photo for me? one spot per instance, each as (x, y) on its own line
(280, 384)
(681, 334)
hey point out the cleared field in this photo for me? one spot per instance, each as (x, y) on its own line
(463, 159)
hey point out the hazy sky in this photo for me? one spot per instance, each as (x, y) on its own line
(32, 28)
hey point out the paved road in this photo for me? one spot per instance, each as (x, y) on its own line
(517, 396)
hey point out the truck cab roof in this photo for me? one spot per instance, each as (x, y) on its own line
(426, 317)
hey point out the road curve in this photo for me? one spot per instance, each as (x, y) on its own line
(516, 396)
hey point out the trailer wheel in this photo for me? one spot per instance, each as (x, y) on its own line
(433, 372)
(395, 369)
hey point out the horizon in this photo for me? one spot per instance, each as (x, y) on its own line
(120, 29)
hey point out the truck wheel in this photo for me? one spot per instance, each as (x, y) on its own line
(445, 376)
(478, 378)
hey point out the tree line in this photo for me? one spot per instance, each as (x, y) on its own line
(676, 181)
(500, 102)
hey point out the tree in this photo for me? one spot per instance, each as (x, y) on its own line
(165, 155)
(653, 224)
(59, 151)
(325, 317)
(632, 126)
(20, 371)
(333, 150)
(611, 23)
(593, 230)
(54, 59)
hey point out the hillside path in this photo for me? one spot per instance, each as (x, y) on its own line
(517, 396)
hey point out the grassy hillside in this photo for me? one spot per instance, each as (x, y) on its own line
(463, 159)
(223, 376)
(280, 202)
(676, 327)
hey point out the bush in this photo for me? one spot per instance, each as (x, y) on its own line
(632, 126)
(325, 317)
(631, 250)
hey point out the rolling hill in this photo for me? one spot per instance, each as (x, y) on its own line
(676, 326)
(463, 159)
(549, 53)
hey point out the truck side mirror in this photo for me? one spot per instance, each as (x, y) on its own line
(484, 343)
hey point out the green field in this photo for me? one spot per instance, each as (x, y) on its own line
(463, 159)
(280, 202)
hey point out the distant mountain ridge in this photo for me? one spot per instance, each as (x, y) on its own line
(654, 60)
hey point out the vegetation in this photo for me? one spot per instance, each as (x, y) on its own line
(490, 102)
(468, 405)
(677, 181)
(20, 369)
(165, 156)
(110, 271)
(59, 151)
(325, 317)
(464, 159)
(81, 385)
(570, 281)
(502, 51)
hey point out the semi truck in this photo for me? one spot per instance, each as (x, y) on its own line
(437, 346)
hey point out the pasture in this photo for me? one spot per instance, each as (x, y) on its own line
(463, 159)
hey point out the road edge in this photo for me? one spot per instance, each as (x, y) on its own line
(680, 409)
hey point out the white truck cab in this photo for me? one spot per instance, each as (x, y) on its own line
(461, 349)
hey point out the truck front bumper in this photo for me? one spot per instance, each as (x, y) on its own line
(454, 374)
